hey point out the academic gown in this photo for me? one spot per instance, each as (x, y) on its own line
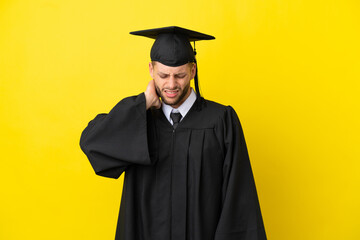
(194, 182)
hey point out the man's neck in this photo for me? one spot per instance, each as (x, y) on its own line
(183, 108)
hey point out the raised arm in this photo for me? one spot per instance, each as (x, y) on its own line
(123, 137)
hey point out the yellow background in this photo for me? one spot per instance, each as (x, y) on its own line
(291, 70)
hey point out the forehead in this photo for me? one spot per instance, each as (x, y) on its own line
(167, 69)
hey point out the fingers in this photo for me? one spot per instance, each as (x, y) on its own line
(152, 99)
(157, 103)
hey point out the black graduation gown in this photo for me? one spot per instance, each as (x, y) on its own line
(192, 183)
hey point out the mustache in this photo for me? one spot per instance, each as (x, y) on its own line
(172, 89)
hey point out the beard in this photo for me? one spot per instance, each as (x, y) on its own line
(176, 101)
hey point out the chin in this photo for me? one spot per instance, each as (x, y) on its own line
(170, 102)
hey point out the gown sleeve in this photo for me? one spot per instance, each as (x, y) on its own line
(123, 137)
(240, 217)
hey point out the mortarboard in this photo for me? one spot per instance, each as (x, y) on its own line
(172, 46)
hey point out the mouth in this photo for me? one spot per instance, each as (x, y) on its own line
(171, 93)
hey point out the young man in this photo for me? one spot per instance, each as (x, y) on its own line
(187, 170)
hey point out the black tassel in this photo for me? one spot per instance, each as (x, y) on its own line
(196, 79)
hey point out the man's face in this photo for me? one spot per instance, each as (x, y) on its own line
(172, 83)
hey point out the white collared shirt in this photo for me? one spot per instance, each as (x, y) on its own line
(183, 108)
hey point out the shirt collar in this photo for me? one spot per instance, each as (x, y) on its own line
(183, 108)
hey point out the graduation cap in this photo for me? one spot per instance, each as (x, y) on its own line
(172, 46)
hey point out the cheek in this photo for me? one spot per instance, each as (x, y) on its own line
(158, 83)
(161, 83)
(185, 82)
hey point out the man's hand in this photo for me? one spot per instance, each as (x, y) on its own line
(152, 99)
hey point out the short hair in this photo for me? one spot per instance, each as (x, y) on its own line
(189, 63)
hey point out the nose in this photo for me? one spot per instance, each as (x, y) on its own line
(172, 82)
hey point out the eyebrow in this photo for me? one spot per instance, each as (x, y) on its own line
(177, 74)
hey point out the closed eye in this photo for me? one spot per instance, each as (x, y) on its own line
(180, 75)
(163, 75)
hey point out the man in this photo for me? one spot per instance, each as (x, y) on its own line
(187, 170)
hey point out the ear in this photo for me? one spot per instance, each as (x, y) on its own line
(193, 70)
(151, 70)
